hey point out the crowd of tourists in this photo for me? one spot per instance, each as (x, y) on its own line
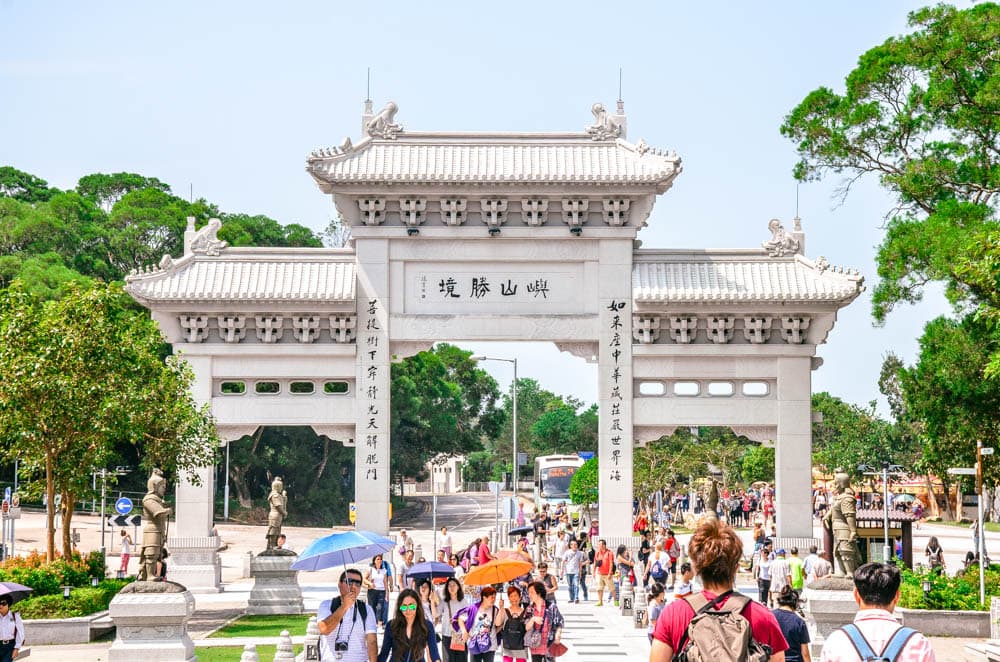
(737, 507)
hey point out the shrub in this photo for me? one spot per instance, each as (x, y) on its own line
(81, 602)
(959, 593)
(48, 578)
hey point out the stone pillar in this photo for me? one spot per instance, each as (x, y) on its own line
(372, 396)
(614, 359)
(276, 587)
(793, 449)
(194, 559)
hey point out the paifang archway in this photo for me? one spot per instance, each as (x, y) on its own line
(497, 237)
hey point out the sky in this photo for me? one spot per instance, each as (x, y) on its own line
(228, 98)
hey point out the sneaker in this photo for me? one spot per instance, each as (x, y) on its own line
(598, 604)
(616, 603)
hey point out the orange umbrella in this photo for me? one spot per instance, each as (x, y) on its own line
(513, 554)
(497, 571)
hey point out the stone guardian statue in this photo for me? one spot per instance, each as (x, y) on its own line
(278, 500)
(154, 532)
(841, 519)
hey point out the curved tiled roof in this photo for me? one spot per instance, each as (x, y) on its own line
(707, 279)
(489, 159)
(243, 278)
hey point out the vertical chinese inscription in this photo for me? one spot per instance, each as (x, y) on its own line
(373, 395)
(615, 397)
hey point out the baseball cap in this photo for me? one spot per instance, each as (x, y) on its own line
(782, 551)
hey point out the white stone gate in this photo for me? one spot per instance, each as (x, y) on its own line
(497, 237)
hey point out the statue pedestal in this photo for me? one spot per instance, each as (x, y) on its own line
(829, 605)
(195, 563)
(276, 588)
(151, 623)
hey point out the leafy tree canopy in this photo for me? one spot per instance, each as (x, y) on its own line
(81, 371)
(105, 190)
(583, 487)
(23, 186)
(246, 230)
(922, 113)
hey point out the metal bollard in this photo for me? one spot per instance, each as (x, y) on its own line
(311, 642)
(250, 654)
(640, 605)
(285, 652)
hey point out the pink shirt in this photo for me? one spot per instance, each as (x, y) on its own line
(878, 626)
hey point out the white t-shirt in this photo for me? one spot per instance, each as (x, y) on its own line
(378, 576)
(446, 542)
(351, 629)
(126, 546)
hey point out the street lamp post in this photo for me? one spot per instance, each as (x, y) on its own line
(895, 469)
(977, 471)
(514, 403)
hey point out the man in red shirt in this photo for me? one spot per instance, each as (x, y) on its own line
(604, 562)
(484, 556)
(715, 551)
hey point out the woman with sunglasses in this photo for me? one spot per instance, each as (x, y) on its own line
(409, 637)
(453, 601)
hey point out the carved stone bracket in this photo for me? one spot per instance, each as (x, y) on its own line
(343, 328)
(583, 350)
(341, 433)
(402, 349)
(793, 329)
(535, 212)
(229, 433)
(412, 210)
(232, 328)
(269, 328)
(616, 212)
(305, 328)
(720, 329)
(575, 212)
(494, 211)
(757, 330)
(764, 434)
(647, 433)
(372, 210)
(646, 329)
(683, 329)
(195, 327)
(453, 211)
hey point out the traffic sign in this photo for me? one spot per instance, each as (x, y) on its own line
(986, 451)
(352, 512)
(962, 471)
(125, 520)
(123, 506)
(496, 487)
(6, 493)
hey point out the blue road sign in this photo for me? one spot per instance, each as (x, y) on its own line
(123, 506)
(6, 493)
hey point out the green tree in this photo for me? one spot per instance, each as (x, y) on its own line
(757, 464)
(23, 186)
(247, 230)
(106, 190)
(80, 372)
(922, 113)
(442, 404)
(850, 435)
(562, 430)
(583, 487)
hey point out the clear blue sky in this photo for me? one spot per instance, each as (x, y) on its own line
(230, 97)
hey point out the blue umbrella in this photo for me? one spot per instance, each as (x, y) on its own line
(430, 570)
(341, 549)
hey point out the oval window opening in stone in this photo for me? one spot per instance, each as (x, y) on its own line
(652, 388)
(267, 388)
(233, 388)
(335, 388)
(721, 389)
(687, 389)
(302, 388)
(755, 389)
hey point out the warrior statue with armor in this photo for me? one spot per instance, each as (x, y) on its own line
(841, 520)
(154, 532)
(278, 500)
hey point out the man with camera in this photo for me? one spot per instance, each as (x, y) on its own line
(346, 626)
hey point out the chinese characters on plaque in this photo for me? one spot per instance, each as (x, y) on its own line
(373, 365)
(485, 287)
(616, 396)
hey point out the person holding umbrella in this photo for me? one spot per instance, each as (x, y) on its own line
(11, 631)
(409, 637)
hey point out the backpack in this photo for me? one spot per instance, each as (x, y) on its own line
(720, 635)
(892, 649)
(512, 634)
(674, 551)
(657, 571)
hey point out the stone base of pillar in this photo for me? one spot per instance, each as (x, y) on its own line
(829, 605)
(276, 588)
(151, 623)
(195, 563)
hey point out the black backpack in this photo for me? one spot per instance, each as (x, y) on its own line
(359, 608)
(513, 632)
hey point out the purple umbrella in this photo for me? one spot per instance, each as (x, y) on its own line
(16, 592)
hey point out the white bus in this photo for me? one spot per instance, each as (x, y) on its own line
(552, 476)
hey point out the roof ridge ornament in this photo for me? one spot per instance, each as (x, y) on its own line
(206, 240)
(606, 126)
(382, 125)
(781, 242)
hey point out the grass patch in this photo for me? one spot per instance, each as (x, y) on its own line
(989, 526)
(265, 625)
(234, 653)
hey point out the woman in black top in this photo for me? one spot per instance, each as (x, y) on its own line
(792, 626)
